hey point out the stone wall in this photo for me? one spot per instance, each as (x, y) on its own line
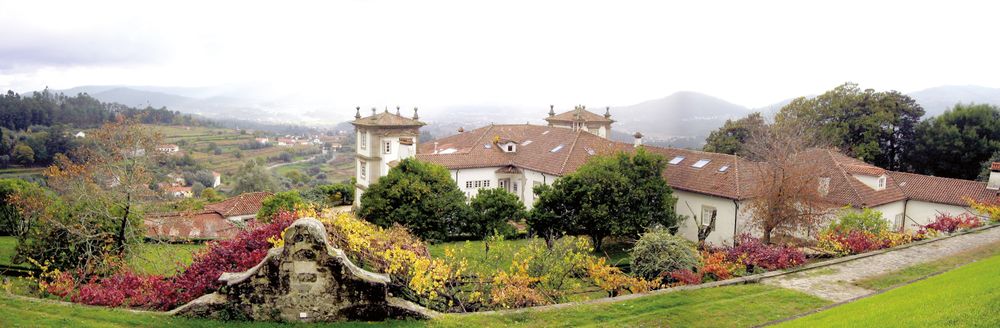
(306, 280)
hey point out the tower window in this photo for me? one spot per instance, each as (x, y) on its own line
(387, 147)
(363, 168)
(362, 140)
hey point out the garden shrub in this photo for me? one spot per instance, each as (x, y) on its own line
(282, 201)
(754, 253)
(951, 223)
(867, 220)
(685, 277)
(658, 253)
(717, 267)
(988, 208)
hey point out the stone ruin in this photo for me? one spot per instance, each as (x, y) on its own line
(307, 280)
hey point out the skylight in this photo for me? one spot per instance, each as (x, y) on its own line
(677, 160)
(526, 142)
(557, 149)
(724, 168)
(591, 151)
(448, 151)
(701, 163)
(487, 146)
(546, 132)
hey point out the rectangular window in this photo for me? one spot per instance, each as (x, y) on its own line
(387, 147)
(881, 183)
(898, 222)
(707, 213)
(362, 140)
(676, 160)
(363, 167)
(468, 185)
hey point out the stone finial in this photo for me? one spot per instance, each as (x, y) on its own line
(373, 111)
(607, 112)
(552, 110)
(415, 116)
(397, 110)
(386, 108)
(357, 114)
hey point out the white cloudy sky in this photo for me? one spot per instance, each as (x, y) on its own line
(439, 53)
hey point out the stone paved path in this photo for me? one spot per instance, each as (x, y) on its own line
(834, 282)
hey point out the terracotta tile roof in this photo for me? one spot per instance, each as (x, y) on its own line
(578, 114)
(189, 225)
(244, 204)
(942, 190)
(995, 166)
(558, 151)
(844, 187)
(387, 119)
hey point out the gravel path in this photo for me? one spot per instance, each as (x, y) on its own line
(834, 282)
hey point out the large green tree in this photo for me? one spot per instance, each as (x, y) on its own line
(251, 177)
(730, 138)
(877, 127)
(282, 201)
(623, 195)
(956, 143)
(418, 195)
(492, 210)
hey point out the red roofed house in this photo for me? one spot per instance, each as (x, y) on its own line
(216, 221)
(518, 157)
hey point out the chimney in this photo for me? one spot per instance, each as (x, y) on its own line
(994, 182)
(638, 139)
(397, 111)
(435, 147)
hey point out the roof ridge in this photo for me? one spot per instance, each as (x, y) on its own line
(569, 153)
(836, 163)
(936, 177)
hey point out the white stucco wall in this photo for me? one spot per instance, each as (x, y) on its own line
(921, 213)
(890, 211)
(728, 222)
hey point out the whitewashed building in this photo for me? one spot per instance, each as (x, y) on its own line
(517, 157)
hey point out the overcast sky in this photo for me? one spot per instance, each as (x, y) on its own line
(531, 53)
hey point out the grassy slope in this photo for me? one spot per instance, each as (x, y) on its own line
(734, 306)
(922, 270)
(967, 296)
(7, 245)
(162, 258)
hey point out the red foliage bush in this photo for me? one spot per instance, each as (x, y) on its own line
(685, 277)
(753, 253)
(129, 289)
(947, 223)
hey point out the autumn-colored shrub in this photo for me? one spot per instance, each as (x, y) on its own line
(685, 277)
(753, 253)
(951, 223)
(987, 208)
(716, 266)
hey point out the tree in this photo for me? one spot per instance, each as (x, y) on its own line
(417, 195)
(492, 209)
(336, 194)
(23, 154)
(282, 201)
(876, 127)
(956, 143)
(102, 192)
(730, 138)
(252, 177)
(13, 192)
(785, 193)
(628, 188)
(210, 195)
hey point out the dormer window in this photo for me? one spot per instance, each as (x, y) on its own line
(510, 148)
(881, 182)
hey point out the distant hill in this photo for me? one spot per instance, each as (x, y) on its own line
(938, 99)
(217, 107)
(682, 119)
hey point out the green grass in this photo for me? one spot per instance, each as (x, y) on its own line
(7, 245)
(732, 306)
(968, 296)
(165, 259)
(924, 269)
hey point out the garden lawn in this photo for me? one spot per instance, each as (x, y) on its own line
(968, 296)
(162, 258)
(502, 253)
(731, 306)
(7, 245)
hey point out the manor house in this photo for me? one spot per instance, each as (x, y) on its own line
(517, 157)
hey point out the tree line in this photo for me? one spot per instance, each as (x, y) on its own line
(883, 128)
(34, 128)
